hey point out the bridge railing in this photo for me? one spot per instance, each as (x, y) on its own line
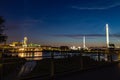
(48, 67)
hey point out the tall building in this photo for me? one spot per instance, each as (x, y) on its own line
(25, 42)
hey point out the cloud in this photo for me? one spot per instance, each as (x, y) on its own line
(79, 35)
(91, 36)
(97, 8)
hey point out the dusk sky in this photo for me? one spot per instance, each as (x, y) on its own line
(61, 22)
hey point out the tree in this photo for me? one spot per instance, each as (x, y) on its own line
(3, 37)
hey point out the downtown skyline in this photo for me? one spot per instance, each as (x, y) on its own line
(61, 22)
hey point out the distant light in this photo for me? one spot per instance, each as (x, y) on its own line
(21, 49)
(73, 48)
(79, 47)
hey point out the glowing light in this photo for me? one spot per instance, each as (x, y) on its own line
(25, 42)
(73, 48)
(21, 55)
(21, 49)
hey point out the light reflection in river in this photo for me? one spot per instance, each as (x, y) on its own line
(31, 56)
(39, 55)
(36, 54)
(42, 55)
(27, 68)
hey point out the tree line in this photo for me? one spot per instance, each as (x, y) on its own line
(3, 37)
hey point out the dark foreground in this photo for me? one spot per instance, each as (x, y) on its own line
(107, 73)
(111, 72)
(14, 68)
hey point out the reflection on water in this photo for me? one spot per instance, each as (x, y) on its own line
(35, 54)
(42, 55)
(118, 56)
(39, 55)
(31, 56)
(34, 58)
(27, 68)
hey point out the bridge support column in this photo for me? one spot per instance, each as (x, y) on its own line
(81, 61)
(98, 56)
(111, 52)
(52, 66)
(110, 57)
(1, 72)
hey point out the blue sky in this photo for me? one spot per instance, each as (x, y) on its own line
(61, 22)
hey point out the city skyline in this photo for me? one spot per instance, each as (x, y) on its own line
(61, 22)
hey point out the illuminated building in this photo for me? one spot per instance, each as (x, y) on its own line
(25, 42)
(16, 44)
(73, 48)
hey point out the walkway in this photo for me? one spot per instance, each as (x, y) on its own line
(108, 73)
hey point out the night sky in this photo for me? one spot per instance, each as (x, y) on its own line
(61, 22)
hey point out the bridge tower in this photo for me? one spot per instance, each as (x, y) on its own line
(84, 46)
(107, 36)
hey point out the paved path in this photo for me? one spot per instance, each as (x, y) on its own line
(108, 73)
